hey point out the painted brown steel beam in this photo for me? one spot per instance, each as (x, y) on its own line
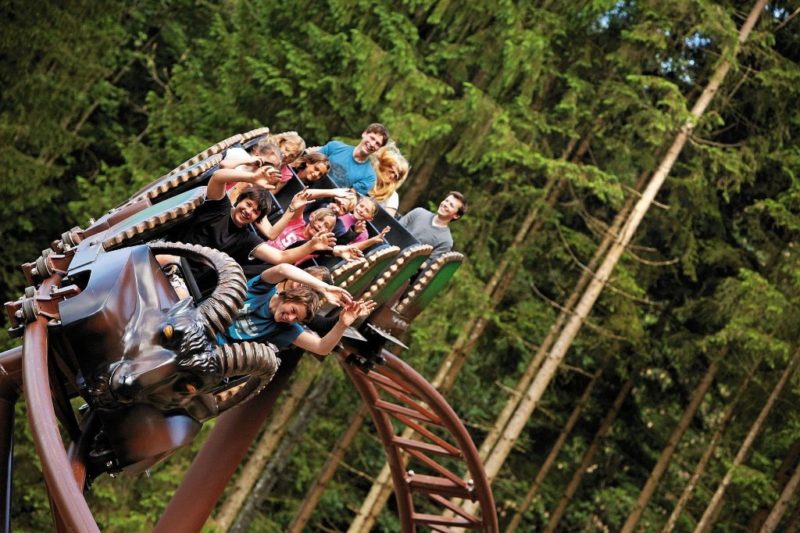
(451, 421)
(217, 461)
(10, 383)
(437, 412)
(66, 495)
(405, 505)
(443, 486)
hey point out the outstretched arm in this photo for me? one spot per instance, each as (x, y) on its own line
(295, 210)
(335, 295)
(348, 251)
(223, 176)
(324, 345)
(341, 192)
(372, 241)
(321, 241)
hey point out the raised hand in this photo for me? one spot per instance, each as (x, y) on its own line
(324, 240)
(379, 237)
(360, 227)
(337, 295)
(299, 200)
(267, 176)
(356, 309)
(347, 252)
(366, 307)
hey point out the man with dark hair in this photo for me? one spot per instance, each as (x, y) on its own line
(433, 228)
(218, 224)
(350, 165)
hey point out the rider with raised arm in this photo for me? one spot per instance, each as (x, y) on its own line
(270, 315)
(218, 224)
(355, 224)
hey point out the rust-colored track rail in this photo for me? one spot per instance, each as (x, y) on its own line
(439, 454)
(69, 506)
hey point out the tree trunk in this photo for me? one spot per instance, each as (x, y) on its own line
(588, 457)
(793, 525)
(536, 362)
(782, 477)
(672, 443)
(490, 441)
(378, 495)
(584, 306)
(555, 450)
(264, 448)
(700, 468)
(716, 500)
(789, 491)
(409, 197)
(328, 469)
(305, 414)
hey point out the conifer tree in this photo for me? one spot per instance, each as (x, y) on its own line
(709, 451)
(588, 457)
(554, 451)
(714, 505)
(587, 301)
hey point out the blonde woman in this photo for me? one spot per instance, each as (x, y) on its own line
(391, 170)
(292, 147)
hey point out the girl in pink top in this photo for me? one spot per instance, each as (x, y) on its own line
(297, 230)
(357, 220)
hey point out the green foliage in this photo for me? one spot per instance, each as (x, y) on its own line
(493, 99)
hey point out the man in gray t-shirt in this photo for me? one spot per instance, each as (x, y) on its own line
(433, 228)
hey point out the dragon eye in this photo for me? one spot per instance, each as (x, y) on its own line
(168, 330)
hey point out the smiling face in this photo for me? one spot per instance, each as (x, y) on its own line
(314, 172)
(294, 304)
(365, 210)
(370, 142)
(290, 312)
(449, 208)
(245, 212)
(320, 223)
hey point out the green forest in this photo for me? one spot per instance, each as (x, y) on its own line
(621, 339)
